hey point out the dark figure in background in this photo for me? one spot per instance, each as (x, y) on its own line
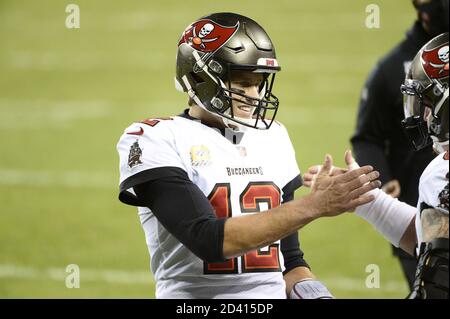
(379, 139)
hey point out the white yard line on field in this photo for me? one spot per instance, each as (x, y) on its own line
(46, 113)
(82, 179)
(358, 284)
(88, 61)
(59, 274)
(145, 278)
(307, 116)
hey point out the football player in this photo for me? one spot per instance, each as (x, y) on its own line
(426, 121)
(378, 139)
(201, 179)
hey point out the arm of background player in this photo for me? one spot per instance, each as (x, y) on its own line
(373, 125)
(392, 218)
(434, 224)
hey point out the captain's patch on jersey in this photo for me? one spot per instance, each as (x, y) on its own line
(200, 156)
(134, 157)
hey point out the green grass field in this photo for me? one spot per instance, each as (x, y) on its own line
(67, 94)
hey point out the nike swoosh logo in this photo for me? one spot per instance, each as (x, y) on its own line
(140, 132)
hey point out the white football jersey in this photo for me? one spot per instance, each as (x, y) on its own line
(433, 189)
(243, 178)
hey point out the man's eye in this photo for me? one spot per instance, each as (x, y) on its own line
(247, 84)
(257, 84)
(238, 91)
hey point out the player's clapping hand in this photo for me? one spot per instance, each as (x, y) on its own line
(311, 174)
(392, 188)
(337, 190)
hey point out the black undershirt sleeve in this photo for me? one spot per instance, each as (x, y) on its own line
(182, 208)
(290, 245)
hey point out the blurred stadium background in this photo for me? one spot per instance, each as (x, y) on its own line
(66, 96)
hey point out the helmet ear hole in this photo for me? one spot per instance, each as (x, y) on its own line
(216, 67)
(218, 104)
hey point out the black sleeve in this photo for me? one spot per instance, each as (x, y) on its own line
(182, 208)
(374, 124)
(290, 245)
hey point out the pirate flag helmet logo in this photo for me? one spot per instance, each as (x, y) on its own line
(435, 62)
(207, 36)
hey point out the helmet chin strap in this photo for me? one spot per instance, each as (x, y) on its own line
(235, 125)
(228, 123)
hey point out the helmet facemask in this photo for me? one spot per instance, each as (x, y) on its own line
(424, 122)
(263, 107)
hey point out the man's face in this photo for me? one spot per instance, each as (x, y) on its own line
(434, 15)
(246, 83)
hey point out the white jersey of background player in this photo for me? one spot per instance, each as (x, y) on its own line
(425, 226)
(433, 191)
(200, 185)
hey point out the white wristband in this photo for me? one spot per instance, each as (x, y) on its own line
(388, 215)
(310, 289)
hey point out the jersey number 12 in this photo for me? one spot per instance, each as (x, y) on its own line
(249, 200)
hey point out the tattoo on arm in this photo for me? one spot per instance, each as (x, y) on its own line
(434, 224)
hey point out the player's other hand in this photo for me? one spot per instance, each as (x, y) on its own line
(392, 188)
(310, 176)
(336, 190)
